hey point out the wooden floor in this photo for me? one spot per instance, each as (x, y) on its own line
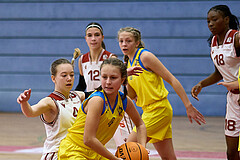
(191, 141)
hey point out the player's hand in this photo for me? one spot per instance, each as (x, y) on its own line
(195, 91)
(229, 85)
(24, 97)
(193, 113)
(134, 70)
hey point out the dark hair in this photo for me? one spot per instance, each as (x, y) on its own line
(225, 12)
(123, 69)
(137, 36)
(96, 25)
(57, 62)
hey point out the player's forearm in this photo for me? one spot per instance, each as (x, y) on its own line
(211, 79)
(142, 134)
(27, 109)
(178, 88)
(98, 147)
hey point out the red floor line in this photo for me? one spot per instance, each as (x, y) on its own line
(179, 154)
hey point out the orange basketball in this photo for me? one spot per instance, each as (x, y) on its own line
(132, 151)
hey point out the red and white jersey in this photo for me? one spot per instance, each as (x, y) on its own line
(67, 113)
(91, 70)
(225, 58)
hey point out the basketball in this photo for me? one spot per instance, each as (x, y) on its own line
(132, 151)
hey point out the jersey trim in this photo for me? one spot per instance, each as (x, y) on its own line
(140, 62)
(96, 93)
(101, 94)
(131, 62)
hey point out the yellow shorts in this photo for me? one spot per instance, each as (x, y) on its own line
(158, 118)
(68, 150)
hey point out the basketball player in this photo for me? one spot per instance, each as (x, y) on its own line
(89, 68)
(151, 94)
(225, 52)
(99, 117)
(59, 110)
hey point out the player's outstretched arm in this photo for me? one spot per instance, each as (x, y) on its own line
(152, 63)
(43, 106)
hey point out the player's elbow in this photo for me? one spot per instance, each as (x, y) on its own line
(88, 141)
(141, 125)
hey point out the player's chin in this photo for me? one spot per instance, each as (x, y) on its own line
(125, 51)
(108, 90)
(69, 86)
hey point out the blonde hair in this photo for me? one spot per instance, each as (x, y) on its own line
(137, 36)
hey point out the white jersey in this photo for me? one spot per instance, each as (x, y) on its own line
(91, 70)
(124, 129)
(57, 130)
(225, 58)
(226, 61)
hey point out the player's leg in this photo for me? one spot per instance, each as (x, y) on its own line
(232, 148)
(232, 126)
(165, 149)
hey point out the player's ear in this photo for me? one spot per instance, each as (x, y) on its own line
(226, 20)
(53, 78)
(137, 44)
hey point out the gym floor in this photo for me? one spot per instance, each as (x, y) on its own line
(22, 138)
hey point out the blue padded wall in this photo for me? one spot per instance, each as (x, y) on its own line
(34, 33)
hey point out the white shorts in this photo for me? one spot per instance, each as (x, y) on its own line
(124, 129)
(50, 156)
(232, 118)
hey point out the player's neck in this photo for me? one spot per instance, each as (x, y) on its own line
(94, 54)
(131, 56)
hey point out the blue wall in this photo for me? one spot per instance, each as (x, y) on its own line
(33, 33)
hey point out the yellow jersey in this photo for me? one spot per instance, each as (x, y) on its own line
(109, 121)
(148, 86)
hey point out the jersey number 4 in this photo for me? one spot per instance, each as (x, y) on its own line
(75, 112)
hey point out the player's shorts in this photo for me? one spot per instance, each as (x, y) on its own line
(158, 118)
(49, 156)
(68, 150)
(232, 118)
(124, 129)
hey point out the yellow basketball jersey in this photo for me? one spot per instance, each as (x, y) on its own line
(110, 118)
(148, 86)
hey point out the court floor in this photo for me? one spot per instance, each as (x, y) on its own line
(22, 138)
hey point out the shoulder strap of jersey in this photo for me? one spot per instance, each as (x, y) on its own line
(95, 93)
